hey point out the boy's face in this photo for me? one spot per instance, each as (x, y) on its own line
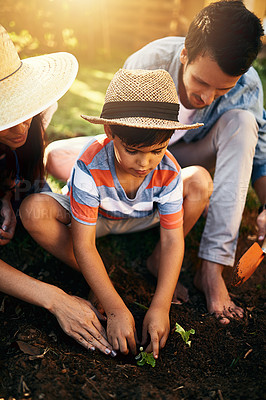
(202, 81)
(136, 161)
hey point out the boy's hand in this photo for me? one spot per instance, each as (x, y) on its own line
(157, 324)
(121, 331)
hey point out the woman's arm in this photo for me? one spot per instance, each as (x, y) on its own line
(75, 315)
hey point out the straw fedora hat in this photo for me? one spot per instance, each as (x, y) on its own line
(29, 86)
(142, 99)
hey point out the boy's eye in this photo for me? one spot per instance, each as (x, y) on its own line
(157, 152)
(130, 151)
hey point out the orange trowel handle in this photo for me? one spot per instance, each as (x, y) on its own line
(248, 263)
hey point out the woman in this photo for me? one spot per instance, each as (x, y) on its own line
(27, 89)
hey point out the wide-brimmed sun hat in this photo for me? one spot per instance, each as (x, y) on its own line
(141, 99)
(29, 86)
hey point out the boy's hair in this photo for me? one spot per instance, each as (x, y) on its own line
(140, 137)
(229, 33)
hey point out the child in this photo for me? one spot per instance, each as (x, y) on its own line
(124, 181)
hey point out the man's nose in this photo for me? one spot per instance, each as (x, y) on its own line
(208, 97)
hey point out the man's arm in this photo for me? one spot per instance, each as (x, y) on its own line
(121, 331)
(156, 321)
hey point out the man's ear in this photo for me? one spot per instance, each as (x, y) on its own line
(183, 56)
(108, 132)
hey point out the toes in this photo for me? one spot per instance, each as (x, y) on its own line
(176, 301)
(221, 318)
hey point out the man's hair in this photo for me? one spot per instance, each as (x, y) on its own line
(229, 33)
(140, 137)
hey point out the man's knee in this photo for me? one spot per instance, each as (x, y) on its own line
(241, 127)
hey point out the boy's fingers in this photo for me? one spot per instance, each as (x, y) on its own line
(155, 344)
(132, 344)
(163, 341)
(123, 345)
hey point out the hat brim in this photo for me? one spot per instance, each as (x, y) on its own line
(141, 122)
(38, 84)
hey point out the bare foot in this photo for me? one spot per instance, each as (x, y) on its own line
(180, 294)
(210, 281)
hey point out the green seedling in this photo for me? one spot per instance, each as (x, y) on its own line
(145, 358)
(184, 334)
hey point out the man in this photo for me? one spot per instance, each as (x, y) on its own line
(216, 86)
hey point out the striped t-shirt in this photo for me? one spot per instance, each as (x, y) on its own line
(94, 188)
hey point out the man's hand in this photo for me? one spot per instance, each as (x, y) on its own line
(8, 222)
(78, 319)
(157, 324)
(121, 331)
(261, 223)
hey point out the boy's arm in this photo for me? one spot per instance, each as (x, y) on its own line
(156, 321)
(121, 331)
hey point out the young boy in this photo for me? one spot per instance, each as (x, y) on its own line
(124, 181)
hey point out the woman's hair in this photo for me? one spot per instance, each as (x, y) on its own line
(229, 33)
(30, 160)
(7, 169)
(30, 155)
(139, 137)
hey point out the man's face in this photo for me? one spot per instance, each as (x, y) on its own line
(202, 81)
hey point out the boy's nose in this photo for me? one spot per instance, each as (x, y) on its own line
(143, 160)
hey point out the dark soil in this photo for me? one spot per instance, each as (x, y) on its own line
(223, 362)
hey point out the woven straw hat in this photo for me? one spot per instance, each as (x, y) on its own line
(29, 86)
(141, 99)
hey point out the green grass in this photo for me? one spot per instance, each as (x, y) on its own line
(86, 96)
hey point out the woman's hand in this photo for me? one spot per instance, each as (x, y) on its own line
(78, 319)
(8, 222)
(261, 223)
(121, 331)
(157, 324)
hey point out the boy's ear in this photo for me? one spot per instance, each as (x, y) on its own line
(108, 132)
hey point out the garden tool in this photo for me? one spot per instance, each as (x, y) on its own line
(248, 263)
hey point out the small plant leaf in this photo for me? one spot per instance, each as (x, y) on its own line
(184, 334)
(145, 358)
